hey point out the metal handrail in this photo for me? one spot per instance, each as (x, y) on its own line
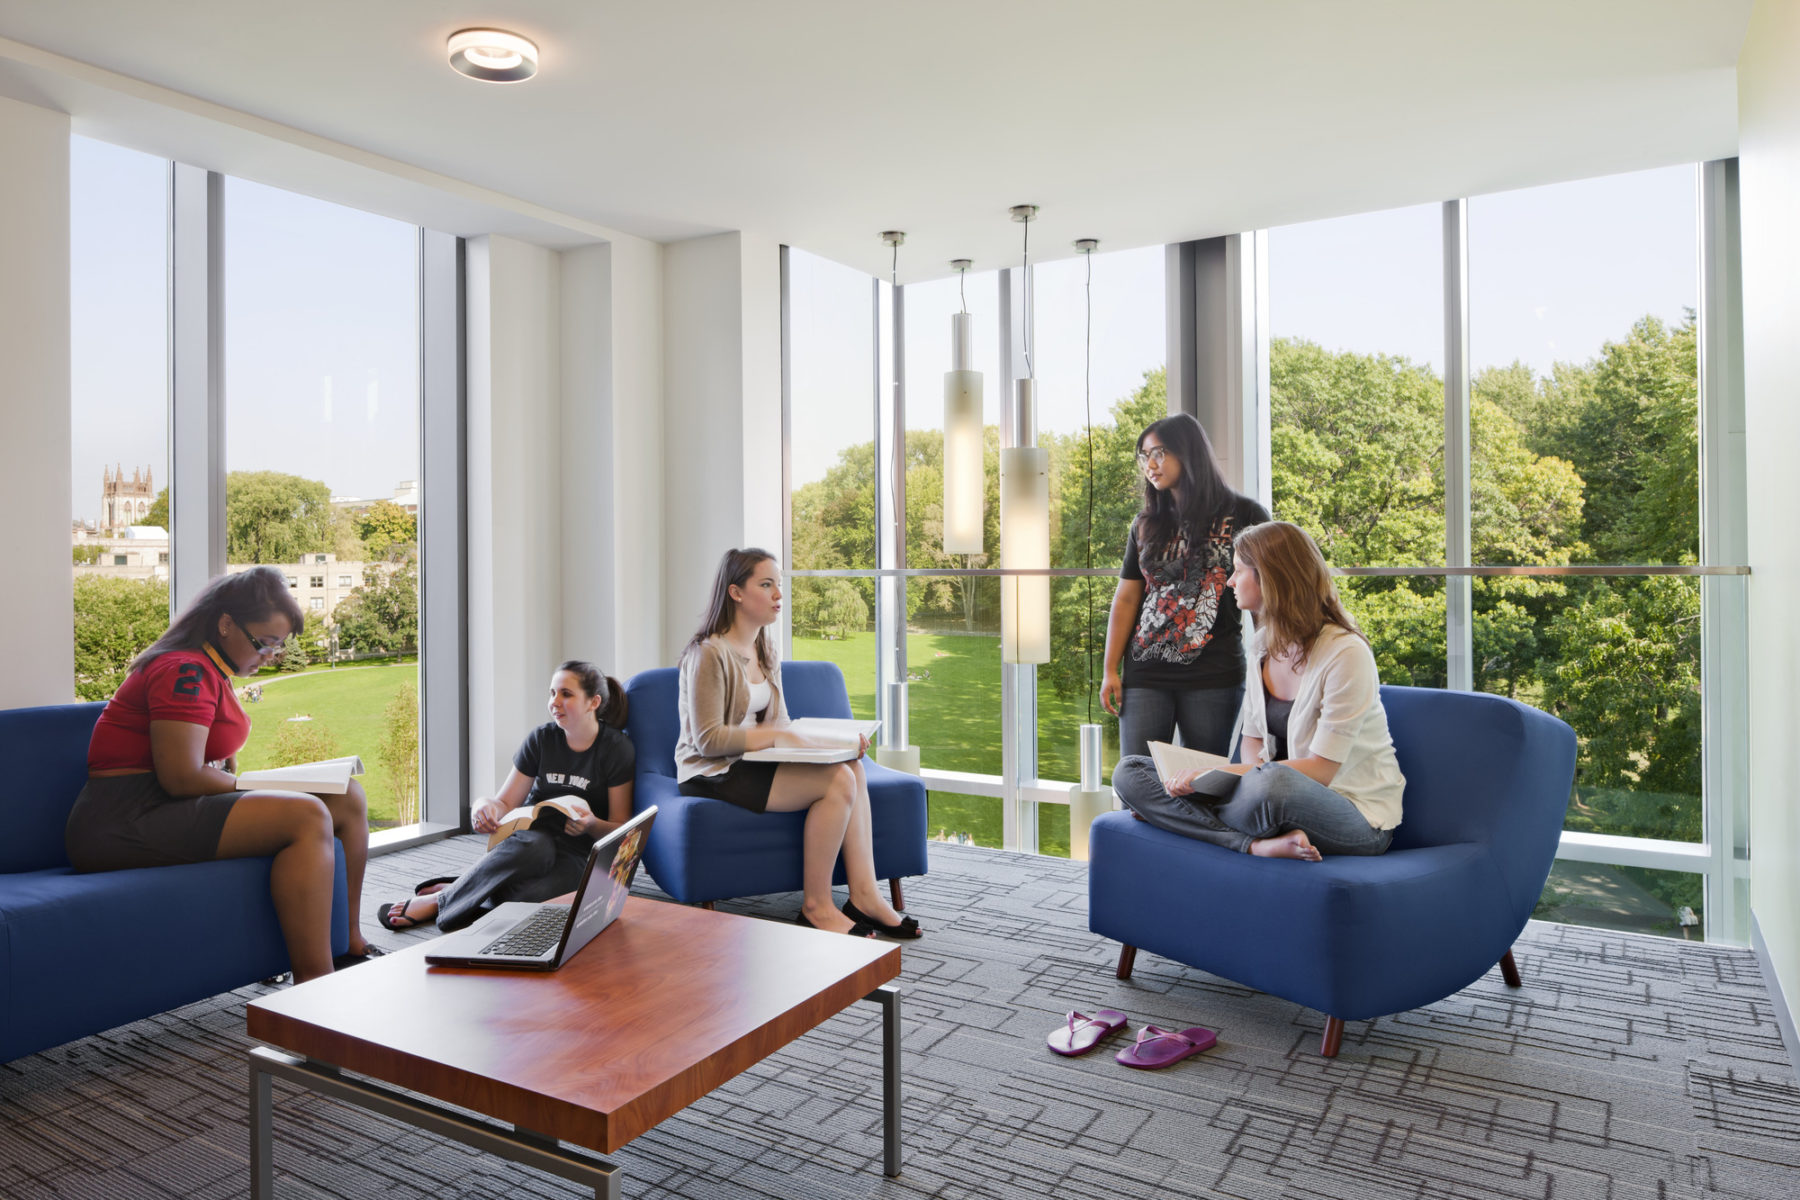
(1547, 570)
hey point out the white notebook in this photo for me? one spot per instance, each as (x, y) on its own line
(843, 735)
(330, 776)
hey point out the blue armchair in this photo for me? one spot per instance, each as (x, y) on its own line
(1487, 785)
(703, 850)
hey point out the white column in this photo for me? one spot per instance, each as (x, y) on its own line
(721, 417)
(516, 549)
(37, 638)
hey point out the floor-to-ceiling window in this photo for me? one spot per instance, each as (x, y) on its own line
(119, 401)
(322, 451)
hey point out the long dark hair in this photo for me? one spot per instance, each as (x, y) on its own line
(1199, 500)
(245, 596)
(735, 570)
(595, 682)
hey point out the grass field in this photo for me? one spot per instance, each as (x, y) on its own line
(346, 702)
(954, 719)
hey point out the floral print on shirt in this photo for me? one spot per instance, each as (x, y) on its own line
(1181, 597)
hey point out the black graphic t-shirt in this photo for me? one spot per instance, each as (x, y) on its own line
(556, 770)
(1188, 634)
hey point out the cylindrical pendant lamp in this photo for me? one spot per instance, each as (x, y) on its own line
(1025, 538)
(965, 500)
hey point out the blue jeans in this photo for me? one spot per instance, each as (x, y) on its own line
(1205, 717)
(1272, 799)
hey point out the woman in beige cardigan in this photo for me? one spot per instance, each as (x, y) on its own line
(731, 703)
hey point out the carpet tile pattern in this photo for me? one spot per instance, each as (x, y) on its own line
(1627, 1068)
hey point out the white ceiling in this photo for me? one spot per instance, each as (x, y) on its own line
(823, 122)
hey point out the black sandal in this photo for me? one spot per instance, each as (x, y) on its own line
(435, 881)
(388, 914)
(862, 929)
(907, 929)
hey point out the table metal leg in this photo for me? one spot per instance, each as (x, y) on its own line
(262, 1133)
(532, 1150)
(889, 999)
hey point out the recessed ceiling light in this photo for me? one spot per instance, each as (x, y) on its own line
(493, 55)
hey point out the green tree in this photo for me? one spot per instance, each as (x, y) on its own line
(114, 620)
(293, 656)
(158, 515)
(386, 530)
(86, 553)
(275, 518)
(382, 614)
(829, 608)
(297, 742)
(399, 751)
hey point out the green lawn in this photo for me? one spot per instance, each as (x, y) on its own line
(954, 719)
(347, 702)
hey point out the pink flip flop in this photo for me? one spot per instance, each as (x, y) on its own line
(1083, 1032)
(1156, 1047)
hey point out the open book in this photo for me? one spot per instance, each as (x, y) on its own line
(523, 816)
(1172, 760)
(833, 740)
(330, 777)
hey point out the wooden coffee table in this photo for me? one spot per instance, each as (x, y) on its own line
(652, 1015)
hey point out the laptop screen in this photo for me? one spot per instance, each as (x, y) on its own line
(612, 864)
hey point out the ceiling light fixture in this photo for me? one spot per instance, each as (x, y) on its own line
(965, 502)
(1025, 501)
(493, 55)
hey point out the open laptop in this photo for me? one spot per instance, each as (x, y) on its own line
(542, 937)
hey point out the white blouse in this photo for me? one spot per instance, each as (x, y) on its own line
(760, 695)
(1337, 715)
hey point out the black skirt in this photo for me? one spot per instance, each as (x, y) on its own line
(746, 785)
(122, 821)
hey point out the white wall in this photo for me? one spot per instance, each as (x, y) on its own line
(515, 496)
(612, 455)
(37, 638)
(722, 414)
(1769, 183)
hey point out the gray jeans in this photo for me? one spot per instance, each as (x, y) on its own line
(531, 865)
(1205, 717)
(1272, 799)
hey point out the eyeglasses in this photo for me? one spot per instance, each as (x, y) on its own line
(1152, 457)
(262, 645)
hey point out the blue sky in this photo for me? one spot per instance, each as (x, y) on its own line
(321, 331)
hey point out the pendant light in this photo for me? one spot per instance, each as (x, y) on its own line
(895, 751)
(1025, 504)
(965, 499)
(1091, 796)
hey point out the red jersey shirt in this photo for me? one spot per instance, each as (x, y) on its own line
(182, 685)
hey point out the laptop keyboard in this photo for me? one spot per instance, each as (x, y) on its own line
(532, 936)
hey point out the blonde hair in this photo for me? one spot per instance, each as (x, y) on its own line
(1299, 597)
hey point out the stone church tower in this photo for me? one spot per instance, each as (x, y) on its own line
(124, 502)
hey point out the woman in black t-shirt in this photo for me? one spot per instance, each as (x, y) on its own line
(1174, 622)
(579, 755)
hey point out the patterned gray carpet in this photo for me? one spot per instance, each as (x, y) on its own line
(1627, 1067)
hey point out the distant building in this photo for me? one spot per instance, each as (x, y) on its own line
(406, 495)
(124, 502)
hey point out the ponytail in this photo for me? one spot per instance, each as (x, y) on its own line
(595, 682)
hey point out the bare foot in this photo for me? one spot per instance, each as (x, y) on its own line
(411, 912)
(433, 890)
(1289, 845)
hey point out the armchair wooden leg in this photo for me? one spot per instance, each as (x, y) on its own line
(1509, 970)
(894, 891)
(707, 905)
(1334, 1037)
(1127, 960)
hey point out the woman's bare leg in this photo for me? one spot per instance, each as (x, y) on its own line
(350, 822)
(828, 794)
(859, 857)
(296, 829)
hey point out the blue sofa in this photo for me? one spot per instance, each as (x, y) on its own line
(704, 850)
(83, 953)
(1487, 785)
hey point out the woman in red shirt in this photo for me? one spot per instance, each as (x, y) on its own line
(162, 770)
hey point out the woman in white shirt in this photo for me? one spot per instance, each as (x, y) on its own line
(1319, 774)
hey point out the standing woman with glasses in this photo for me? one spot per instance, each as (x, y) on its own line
(1174, 622)
(162, 771)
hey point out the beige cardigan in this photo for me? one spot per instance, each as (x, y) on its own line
(715, 699)
(1337, 715)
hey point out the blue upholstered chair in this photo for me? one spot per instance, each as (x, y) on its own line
(1487, 784)
(703, 850)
